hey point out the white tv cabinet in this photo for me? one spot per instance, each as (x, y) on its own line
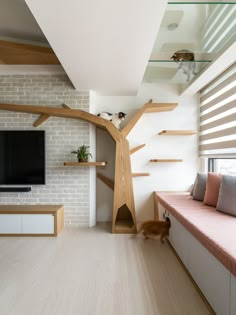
(31, 220)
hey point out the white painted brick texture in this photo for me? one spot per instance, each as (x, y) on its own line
(64, 185)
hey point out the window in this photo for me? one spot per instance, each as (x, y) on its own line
(223, 166)
(218, 116)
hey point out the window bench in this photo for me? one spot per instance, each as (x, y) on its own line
(205, 240)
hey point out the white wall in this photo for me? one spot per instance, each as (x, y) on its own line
(164, 176)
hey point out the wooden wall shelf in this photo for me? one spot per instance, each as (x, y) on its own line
(140, 174)
(177, 132)
(85, 163)
(165, 160)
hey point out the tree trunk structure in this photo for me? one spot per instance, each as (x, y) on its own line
(124, 219)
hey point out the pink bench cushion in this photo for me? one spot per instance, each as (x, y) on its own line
(214, 230)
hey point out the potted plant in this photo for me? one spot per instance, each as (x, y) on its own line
(82, 153)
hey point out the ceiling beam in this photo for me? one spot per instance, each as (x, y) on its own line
(25, 54)
(103, 45)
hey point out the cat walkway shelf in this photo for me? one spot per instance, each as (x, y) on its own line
(177, 132)
(140, 174)
(165, 160)
(123, 218)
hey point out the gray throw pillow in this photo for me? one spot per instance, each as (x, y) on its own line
(227, 195)
(200, 187)
(192, 187)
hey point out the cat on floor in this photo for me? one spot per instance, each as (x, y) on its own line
(182, 57)
(116, 119)
(155, 228)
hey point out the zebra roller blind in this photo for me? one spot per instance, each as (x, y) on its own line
(218, 116)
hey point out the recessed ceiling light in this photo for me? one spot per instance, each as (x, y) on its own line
(172, 26)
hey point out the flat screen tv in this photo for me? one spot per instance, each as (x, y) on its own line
(22, 157)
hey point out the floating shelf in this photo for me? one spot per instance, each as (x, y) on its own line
(140, 174)
(177, 132)
(165, 160)
(85, 163)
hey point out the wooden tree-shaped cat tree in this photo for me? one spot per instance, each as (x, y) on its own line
(124, 220)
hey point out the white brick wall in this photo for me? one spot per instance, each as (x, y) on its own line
(64, 185)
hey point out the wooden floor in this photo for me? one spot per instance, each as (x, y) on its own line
(93, 272)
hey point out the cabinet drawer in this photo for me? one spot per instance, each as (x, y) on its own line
(10, 224)
(37, 224)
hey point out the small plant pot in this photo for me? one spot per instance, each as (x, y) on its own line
(82, 160)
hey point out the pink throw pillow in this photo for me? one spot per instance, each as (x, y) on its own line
(212, 189)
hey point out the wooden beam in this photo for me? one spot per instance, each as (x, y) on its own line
(177, 132)
(147, 108)
(24, 54)
(136, 148)
(40, 120)
(107, 181)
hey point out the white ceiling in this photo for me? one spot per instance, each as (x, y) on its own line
(103, 45)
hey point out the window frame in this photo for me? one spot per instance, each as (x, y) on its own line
(212, 162)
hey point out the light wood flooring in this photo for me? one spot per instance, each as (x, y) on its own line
(93, 272)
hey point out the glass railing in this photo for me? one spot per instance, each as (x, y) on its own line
(203, 29)
(173, 72)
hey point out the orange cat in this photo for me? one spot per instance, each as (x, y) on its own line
(155, 228)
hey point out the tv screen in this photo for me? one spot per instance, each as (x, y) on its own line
(22, 157)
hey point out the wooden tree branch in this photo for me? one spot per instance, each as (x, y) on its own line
(107, 181)
(61, 112)
(40, 120)
(66, 106)
(147, 108)
(132, 151)
(45, 117)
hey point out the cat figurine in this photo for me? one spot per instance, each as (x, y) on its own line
(153, 227)
(116, 119)
(182, 56)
